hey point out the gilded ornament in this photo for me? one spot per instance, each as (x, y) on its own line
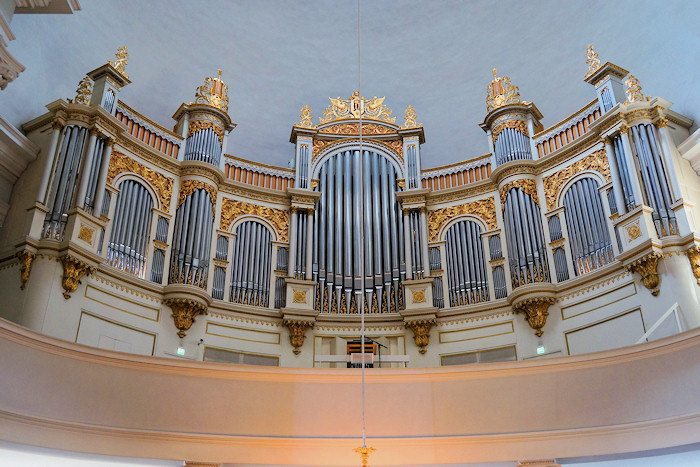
(190, 186)
(485, 209)
(314, 183)
(121, 60)
(199, 125)
(517, 125)
(163, 185)
(232, 209)
(401, 182)
(528, 186)
(418, 296)
(83, 93)
(297, 331)
(85, 234)
(185, 311)
(410, 118)
(343, 304)
(647, 268)
(633, 231)
(535, 311)
(73, 271)
(634, 90)
(597, 161)
(355, 107)
(26, 258)
(500, 92)
(395, 146)
(353, 129)
(694, 257)
(306, 118)
(299, 296)
(213, 92)
(353, 304)
(592, 60)
(421, 332)
(364, 453)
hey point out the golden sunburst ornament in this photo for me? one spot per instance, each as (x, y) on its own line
(364, 453)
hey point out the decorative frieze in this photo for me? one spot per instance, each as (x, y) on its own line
(231, 209)
(484, 208)
(120, 163)
(527, 185)
(190, 186)
(597, 161)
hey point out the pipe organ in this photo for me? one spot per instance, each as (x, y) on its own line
(353, 226)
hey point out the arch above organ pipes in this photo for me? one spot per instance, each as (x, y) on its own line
(250, 217)
(124, 176)
(462, 217)
(561, 192)
(353, 145)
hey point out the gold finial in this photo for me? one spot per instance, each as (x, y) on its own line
(213, 92)
(634, 90)
(364, 453)
(591, 60)
(410, 118)
(121, 60)
(356, 106)
(306, 118)
(83, 92)
(500, 92)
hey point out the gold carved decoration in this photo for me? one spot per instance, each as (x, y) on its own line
(401, 182)
(694, 258)
(418, 296)
(26, 258)
(213, 92)
(395, 146)
(185, 310)
(410, 118)
(591, 60)
(527, 185)
(85, 234)
(535, 311)
(353, 129)
(190, 186)
(299, 296)
(297, 331)
(634, 90)
(306, 118)
(357, 106)
(120, 163)
(83, 93)
(121, 60)
(364, 453)
(232, 209)
(500, 92)
(314, 183)
(633, 231)
(198, 125)
(647, 268)
(518, 125)
(421, 332)
(485, 209)
(73, 271)
(598, 161)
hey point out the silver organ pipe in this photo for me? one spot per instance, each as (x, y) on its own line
(94, 173)
(511, 145)
(607, 99)
(499, 282)
(192, 240)
(525, 239)
(162, 230)
(221, 247)
(304, 166)
(63, 185)
(109, 100)
(203, 145)
(128, 243)
(413, 179)
(618, 149)
(157, 266)
(555, 233)
(336, 246)
(217, 289)
(250, 283)
(466, 265)
(495, 247)
(591, 247)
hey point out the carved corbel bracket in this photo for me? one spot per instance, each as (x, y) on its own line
(535, 311)
(647, 268)
(694, 258)
(26, 258)
(297, 332)
(73, 270)
(421, 332)
(185, 310)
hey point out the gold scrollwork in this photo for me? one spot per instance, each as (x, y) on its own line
(592, 60)
(353, 129)
(119, 64)
(694, 258)
(485, 209)
(83, 93)
(421, 332)
(634, 90)
(500, 92)
(199, 125)
(395, 146)
(26, 258)
(163, 185)
(85, 234)
(232, 209)
(527, 185)
(410, 117)
(213, 92)
(299, 296)
(517, 125)
(297, 332)
(633, 231)
(647, 268)
(190, 186)
(598, 161)
(418, 296)
(535, 311)
(73, 271)
(306, 118)
(357, 106)
(185, 310)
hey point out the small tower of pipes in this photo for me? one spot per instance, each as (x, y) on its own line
(109, 79)
(607, 80)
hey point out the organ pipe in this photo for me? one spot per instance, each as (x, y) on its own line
(204, 145)
(250, 279)
(466, 265)
(194, 220)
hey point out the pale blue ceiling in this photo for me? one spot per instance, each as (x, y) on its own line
(279, 55)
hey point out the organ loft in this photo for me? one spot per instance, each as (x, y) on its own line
(129, 235)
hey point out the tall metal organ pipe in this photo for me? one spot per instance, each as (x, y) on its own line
(194, 219)
(250, 279)
(466, 275)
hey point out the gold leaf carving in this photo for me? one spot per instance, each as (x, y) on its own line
(163, 185)
(85, 234)
(357, 106)
(199, 125)
(485, 208)
(634, 231)
(119, 64)
(500, 92)
(306, 118)
(232, 209)
(299, 296)
(410, 117)
(518, 125)
(73, 271)
(597, 161)
(354, 129)
(528, 186)
(591, 60)
(395, 146)
(190, 186)
(213, 92)
(418, 296)
(421, 332)
(26, 258)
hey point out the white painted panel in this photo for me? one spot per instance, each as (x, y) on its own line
(476, 333)
(126, 305)
(101, 333)
(621, 331)
(246, 334)
(601, 300)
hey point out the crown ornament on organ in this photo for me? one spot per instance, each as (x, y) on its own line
(213, 92)
(634, 90)
(119, 64)
(357, 106)
(591, 60)
(500, 92)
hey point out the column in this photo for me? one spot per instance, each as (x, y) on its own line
(407, 243)
(631, 166)
(102, 180)
(51, 154)
(85, 170)
(615, 174)
(424, 240)
(309, 242)
(292, 243)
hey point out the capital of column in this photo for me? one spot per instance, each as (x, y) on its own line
(624, 129)
(661, 122)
